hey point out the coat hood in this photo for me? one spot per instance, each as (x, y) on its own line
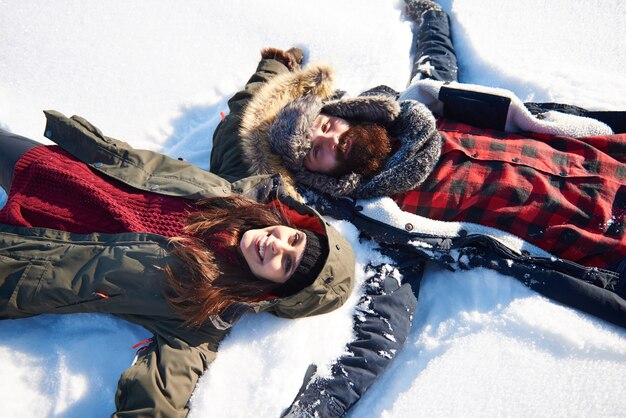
(316, 79)
(333, 285)
(410, 122)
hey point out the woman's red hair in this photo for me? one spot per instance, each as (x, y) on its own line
(205, 276)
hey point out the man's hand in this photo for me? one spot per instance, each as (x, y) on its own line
(292, 58)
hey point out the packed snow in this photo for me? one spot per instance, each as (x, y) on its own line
(157, 74)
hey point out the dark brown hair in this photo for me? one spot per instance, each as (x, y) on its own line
(209, 274)
(370, 150)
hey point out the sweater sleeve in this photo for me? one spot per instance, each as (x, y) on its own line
(162, 379)
(381, 324)
(226, 155)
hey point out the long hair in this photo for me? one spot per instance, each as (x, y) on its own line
(209, 273)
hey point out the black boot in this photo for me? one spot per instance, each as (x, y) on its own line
(433, 51)
(416, 8)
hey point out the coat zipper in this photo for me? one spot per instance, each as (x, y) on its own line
(96, 297)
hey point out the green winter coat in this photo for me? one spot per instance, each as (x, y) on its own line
(49, 271)
(227, 157)
(241, 145)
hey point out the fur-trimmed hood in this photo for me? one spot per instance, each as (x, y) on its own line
(409, 122)
(316, 80)
(275, 129)
(420, 148)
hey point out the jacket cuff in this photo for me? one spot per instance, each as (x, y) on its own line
(284, 57)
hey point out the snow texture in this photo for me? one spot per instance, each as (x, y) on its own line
(157, 74)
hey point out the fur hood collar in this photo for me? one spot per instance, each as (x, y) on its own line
(316, 80)
(284, 109)
(411, 123)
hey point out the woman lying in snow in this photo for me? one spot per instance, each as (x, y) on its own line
(552, 188)
(96, 226)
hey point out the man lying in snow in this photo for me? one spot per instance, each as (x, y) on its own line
(561, 193)
(559, 186)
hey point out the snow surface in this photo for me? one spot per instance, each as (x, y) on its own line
(157, 74)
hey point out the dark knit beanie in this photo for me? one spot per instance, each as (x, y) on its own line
(313, 259)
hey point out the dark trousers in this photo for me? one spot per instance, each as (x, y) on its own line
(433, 51)
(12, 147)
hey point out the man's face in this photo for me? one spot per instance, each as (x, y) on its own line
(325, 133)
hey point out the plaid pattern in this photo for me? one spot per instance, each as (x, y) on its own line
(565, 195)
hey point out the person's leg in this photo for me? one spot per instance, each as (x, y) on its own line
(433, 52)
(12, 147)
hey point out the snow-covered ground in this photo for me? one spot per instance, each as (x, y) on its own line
(157, 74)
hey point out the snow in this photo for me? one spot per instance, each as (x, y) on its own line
(157, 74)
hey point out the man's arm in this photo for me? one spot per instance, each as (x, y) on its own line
(499, 109)
(382, 322)
(226, 154)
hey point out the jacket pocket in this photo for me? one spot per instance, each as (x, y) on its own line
(20, 280)
(95, 297)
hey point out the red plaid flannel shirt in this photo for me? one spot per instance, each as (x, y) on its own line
(565, 195)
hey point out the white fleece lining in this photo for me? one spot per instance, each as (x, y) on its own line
(385, 210)
(519, 119)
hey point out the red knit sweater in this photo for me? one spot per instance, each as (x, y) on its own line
(53, 189)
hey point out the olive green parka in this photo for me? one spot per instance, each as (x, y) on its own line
(241, 146)
(49, 271)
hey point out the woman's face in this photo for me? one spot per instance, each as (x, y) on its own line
(273, 253)
(325, 144)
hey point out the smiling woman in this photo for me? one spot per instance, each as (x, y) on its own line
(273, 253)
(254, 260)
(170, 247)
(280, 253)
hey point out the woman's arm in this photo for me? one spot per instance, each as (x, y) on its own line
(162, 379)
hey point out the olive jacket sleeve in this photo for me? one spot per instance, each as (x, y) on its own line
(227, 159)
(161, 380)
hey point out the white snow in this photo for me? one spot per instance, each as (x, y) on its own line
(157, 74)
